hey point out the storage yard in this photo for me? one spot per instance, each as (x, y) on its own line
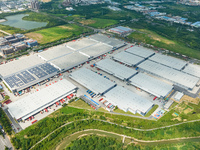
(103, 71)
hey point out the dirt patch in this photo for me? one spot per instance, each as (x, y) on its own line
(187, 110)
(82, 136)
(45, 1)
(66, 27)
(35, 36)
(86, 22)
(177, 118)
(190, 99)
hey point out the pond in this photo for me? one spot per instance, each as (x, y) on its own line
(17, 22)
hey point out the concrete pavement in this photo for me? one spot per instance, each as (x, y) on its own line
(4, 141)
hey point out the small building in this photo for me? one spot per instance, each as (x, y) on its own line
(7, 49)
(15, 40)
(9, 37)
(3, 41)
(178, 96)
(31, 43)
(168, 104)
(19, 46)
(121, 30)
(21, 37)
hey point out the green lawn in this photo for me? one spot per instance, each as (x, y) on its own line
(80, 103)
(102, 23)
(123, 112)
(151, 111)
(150, 37)
(55, 33)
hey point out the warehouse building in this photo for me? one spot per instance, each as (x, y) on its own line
(25, 72)
(35, 102)
(96, 50)
(68, 61)
(55, 52)
(177, 77)
(115, 43)
(168, 61)
(127, 58)
(151, 85)
(193, 70)
(118, 70)
(128, 101)
(92, 81)
(80, 44)
(31, 43)
(121, 30)
(140, 51)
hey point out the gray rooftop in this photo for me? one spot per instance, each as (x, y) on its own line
(80, 43)
(128, 58)
(116, 69)
(151, 85)
(126, 99)
(19, 65)
(192, 70)
(96, 50)
(177, 77)
(107, 40)
(69, 61)
(140, 51)
(35, 102)
(168, 61)
(54, 52)
(92, 80)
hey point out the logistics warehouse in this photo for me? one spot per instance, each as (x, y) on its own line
(27, 71)
(34, 103)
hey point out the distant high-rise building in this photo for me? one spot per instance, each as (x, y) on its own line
(35, 4)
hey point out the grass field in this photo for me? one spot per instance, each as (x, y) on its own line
(151, 111)
(150, 37)
(10, 30)
(123, 112)
(67, 140)
(80, 103)
(99, 23)
(55, 33)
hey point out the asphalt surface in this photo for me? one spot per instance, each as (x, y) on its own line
(4, 141)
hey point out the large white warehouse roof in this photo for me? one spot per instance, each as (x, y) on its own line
(192, 70)
(116, 69)
(140, 51)
(126, 100)
(92, 80)
(128, 58)
(69, 61)
(177, 77)
(151, 85)
(168, 61)
(19, 65)
(33, 103)
(54, 52)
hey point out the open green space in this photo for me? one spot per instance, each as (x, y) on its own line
(67, 140)
(150, 37)
(5, 122)
(56, 33)
(99, 23)
(151, 111)
(80, 103)
(117, 110)
(113, 143)
(28, 137)
(10, 30)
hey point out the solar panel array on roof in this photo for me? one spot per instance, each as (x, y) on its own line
(128, 58)
(177, 77)
(168, 61)
(116, 69)
(26, 78)
(127, 100)
(92, 80)
(140, 51)
(151, 85)
(192, 70)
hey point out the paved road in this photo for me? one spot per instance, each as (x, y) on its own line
(4, 141)
(5, 32)
(16, 127)
(125, 127)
